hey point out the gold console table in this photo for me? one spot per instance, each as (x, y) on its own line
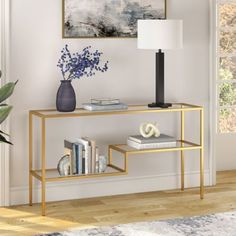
(45, 175)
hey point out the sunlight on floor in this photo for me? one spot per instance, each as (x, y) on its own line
(103, 211)
(18, 222)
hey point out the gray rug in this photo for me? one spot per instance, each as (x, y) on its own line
(223, 224)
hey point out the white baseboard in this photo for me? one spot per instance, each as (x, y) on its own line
(105, 187)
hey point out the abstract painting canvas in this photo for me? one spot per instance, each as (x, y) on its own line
(108, 18)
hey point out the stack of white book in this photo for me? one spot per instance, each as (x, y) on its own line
(84, 156)
(163, 141)
(105, 104)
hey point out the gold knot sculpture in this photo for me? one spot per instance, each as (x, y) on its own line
(148, 130)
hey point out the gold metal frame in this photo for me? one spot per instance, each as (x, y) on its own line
(84, 37)
(183, 145)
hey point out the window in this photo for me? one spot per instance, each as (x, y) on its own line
(226, 65)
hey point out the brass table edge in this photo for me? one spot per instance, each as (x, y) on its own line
(188, 107)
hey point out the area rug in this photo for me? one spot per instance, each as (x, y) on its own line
(223, 224)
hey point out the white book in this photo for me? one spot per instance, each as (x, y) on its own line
(105, 101)
(97, 161)
(151, 145)
(89, 159)
(92, 158)
(87, 150)
(162, 138)
(93, 107)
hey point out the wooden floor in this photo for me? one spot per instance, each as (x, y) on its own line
(25, 220)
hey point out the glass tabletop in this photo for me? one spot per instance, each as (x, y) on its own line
(132, 109)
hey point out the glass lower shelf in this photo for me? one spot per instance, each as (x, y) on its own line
(180, 145)
(52, 175)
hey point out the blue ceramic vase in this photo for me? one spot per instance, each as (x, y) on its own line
(66, 99)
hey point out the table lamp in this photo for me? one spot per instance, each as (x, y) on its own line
(160, 35)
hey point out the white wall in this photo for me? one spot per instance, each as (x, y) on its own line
(225, 151)
(35, 48)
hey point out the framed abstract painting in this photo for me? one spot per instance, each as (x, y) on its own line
(108, 18)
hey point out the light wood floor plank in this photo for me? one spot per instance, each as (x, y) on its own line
(85, 213)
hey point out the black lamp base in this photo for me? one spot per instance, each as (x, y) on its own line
(162, 105)
(160, 97)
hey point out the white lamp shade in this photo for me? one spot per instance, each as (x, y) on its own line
(160, 34)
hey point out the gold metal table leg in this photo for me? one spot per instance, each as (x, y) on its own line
(126, 163)
(182, 152)
(43, 153)
(202, 154)
(30, 158)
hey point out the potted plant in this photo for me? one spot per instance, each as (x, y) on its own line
(5, 92)
(75, 66)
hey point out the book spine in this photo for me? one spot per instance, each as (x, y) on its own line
(97, 160)
(77, 158)
(134, 139)
(151, 145)
(89, 159)
(80, 159)
(86, 160)
(72, 162)
(74, 159)
(86, 153)
(83, 160)
(93, 154)
(71, 166)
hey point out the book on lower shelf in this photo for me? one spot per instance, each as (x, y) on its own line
(163, 141)
(91, 145)
(86, 156)
(75, 151)
(83, 154)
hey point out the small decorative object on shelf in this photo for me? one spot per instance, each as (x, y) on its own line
(66, 98)
(162, 141)
(75, 66)
(148, 130)
(102, 163)
(105, 101)
(64, 167)
(94, 107)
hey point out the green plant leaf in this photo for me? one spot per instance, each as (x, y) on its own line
(4, 112)
(1, 132)
(7, 90)
(3, 140)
